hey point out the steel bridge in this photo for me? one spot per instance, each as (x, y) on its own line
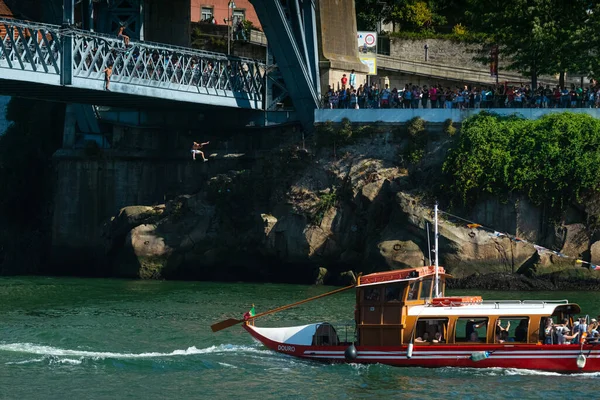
(61, 63)
(54, 56)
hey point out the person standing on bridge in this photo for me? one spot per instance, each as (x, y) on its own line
(196, 150)
(107, 73)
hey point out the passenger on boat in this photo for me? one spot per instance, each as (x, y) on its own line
(502, 337)
(437, 338)
(563, 337)
(500, 329)
(423, 339)
(579, 327)
(474, 337)
(472, 325)
(592, 327)
(549, 331)
(521, 331)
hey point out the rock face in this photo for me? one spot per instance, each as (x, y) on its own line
(299, 217)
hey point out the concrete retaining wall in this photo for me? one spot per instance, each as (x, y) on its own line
(434, 115)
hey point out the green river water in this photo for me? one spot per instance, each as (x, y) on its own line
(64, 338)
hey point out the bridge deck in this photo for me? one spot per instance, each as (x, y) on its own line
(33, 53)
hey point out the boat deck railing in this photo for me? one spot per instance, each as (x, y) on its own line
(541, 303)
(346, 330)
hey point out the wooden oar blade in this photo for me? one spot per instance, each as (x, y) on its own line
(225, 324)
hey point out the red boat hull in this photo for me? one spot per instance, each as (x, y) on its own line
(558, 358)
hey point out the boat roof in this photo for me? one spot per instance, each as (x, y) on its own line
(504, 308)
(399, 275)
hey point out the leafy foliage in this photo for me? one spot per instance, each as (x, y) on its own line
(534, 36)
(410, 15)
(330, 134)
(326, 201)
(554, 160)
(449, 128)
(417, 133)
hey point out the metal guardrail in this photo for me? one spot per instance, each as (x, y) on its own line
(542, 303)
(39, 48)
(439, 71)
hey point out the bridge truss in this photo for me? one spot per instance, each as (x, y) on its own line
(34, 52)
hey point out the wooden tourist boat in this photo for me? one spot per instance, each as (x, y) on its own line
(403, 318)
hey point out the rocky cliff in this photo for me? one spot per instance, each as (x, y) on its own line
(301, 215)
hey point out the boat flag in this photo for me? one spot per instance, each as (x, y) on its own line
(249, 314)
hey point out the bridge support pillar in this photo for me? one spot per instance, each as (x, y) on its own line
(292, 50)
(338, 43)
(69, 132)
(66, 59)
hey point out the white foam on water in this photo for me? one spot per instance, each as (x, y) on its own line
(69, 361)
(497, 371)
(30, 348)
(227, 365)
(34, 360)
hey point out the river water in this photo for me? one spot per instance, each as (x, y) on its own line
(65, 338)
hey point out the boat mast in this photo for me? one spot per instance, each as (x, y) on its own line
(435, 241)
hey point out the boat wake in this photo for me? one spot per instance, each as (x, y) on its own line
(517, 372)
(55, 354)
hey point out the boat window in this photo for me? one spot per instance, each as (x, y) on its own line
(325, 335)
(426, 289)
(413, 291)
(473, 329)
(511, 329)
(431, 330)
(372, 294)
(393, 293)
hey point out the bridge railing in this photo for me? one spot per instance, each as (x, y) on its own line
(29, 46)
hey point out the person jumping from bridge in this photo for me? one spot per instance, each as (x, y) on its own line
(196, 150)
(123, 36)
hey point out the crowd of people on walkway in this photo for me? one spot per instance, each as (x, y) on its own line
(347, 95)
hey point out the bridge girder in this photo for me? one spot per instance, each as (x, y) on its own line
(292, 34)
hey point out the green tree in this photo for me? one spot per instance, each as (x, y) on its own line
(534, 36)
(554, 160)
(369, 13)
(590, 30)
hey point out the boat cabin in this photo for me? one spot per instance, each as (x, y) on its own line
(399, 307)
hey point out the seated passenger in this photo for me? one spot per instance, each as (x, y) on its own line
(521, 331)
(500, 328)
(437, 338)
(423, 339)
(502, 337)
(472, 325)
(474, 337)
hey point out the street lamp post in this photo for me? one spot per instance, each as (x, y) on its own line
(231, 6)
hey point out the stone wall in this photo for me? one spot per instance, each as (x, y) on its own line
(445, 52)
(453, 55)
(144, 166)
